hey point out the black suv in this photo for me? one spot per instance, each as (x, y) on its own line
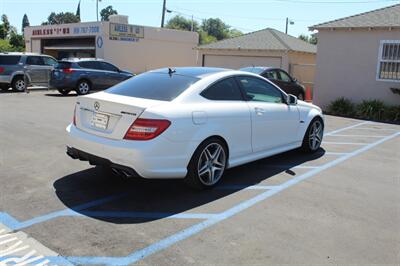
(85, 74)
(281, 78)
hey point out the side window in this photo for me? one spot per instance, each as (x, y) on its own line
(284, 77)
(260, 90)
(35, 60)
(270, 75)
(224, 90)
(48, 61)
(108, 67)
(90, 65)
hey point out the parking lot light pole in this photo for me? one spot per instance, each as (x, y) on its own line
(163, 13)
(288, 21)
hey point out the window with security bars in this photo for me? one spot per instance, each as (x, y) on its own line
(389, 61)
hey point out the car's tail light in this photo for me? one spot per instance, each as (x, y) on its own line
(74, 118)
(1, 70)
(68, 70)
(146, 129)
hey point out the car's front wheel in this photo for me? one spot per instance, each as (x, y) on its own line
(18, 84)
(313, 137)
(83, 87)
(64, 91)
(208, 164)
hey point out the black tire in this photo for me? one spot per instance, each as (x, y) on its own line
(83, 87)
(308, 142)
(64, 91)
(199, 181)
(18, 84)
(5, 87)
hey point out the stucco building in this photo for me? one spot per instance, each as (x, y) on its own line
(132, 47)
(267, 47)
(359, 57)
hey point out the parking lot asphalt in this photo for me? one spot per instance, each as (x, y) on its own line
(339, 206)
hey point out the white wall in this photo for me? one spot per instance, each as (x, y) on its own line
(347, 65)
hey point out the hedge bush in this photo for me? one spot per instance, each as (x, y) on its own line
(367, 109)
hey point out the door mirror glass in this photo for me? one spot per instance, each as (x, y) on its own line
(291, 99)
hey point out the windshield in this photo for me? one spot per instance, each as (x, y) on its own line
(154, 86)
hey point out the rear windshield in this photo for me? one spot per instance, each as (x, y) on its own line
(9, 59)
(154, 85)
(256, 70)
(63, 65)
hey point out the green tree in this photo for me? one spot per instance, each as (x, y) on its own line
(216, 27)
(25, 22)
(5, 46)
(181, 23)
(17, 41)
(204, 38)
(105, 13)
(310, 39)
(234, 33)
(61, 18)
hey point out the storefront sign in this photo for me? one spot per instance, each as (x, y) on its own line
(125, 32)
(62, 31)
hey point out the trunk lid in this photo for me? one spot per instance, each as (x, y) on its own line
(109, 115)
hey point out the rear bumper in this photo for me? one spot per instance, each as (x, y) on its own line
(95, 160)
(5, 79)
(158, 158)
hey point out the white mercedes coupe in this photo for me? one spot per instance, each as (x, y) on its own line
(190, 123)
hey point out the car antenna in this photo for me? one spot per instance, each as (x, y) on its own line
(171, 71)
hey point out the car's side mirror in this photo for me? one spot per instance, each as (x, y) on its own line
(291, 99)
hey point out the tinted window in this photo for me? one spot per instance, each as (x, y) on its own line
(90, 64)
(284, 77)
(9, 59)
(225, 90)
(108, 67)
(63, 65)
(260, 90)
(271, 75)
(154, 85)
(49, 61)
(35, 60)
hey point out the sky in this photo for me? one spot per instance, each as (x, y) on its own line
(245, 16)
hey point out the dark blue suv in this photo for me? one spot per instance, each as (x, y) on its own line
(85, 74)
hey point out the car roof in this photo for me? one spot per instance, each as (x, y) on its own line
(258, 69)
(79, 59)
(21, 53)
(196, 72)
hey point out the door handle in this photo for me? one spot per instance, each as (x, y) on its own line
(259, 111)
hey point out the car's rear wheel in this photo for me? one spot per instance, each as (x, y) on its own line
(208, 164)
(313, 137)
(83, 87)
(64, 91)
(18, 84)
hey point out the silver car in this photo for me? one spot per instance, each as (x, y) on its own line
(17, 70)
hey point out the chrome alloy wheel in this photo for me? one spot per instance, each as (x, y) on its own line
(315, 135)
(20, 85)
(211, 165)
(83, 87)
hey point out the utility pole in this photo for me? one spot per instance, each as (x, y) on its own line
(192, 26)
(97, 9)
(288, 21)
(163, 13)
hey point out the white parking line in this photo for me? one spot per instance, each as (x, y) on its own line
(357, 136)
(344, 143)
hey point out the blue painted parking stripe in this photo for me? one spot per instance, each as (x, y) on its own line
(186, 233)
(12, 223)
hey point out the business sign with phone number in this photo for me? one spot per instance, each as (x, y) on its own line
(125, 32)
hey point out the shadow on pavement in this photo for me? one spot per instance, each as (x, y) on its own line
(162, 198)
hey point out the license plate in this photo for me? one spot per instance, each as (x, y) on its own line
(100, 120)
